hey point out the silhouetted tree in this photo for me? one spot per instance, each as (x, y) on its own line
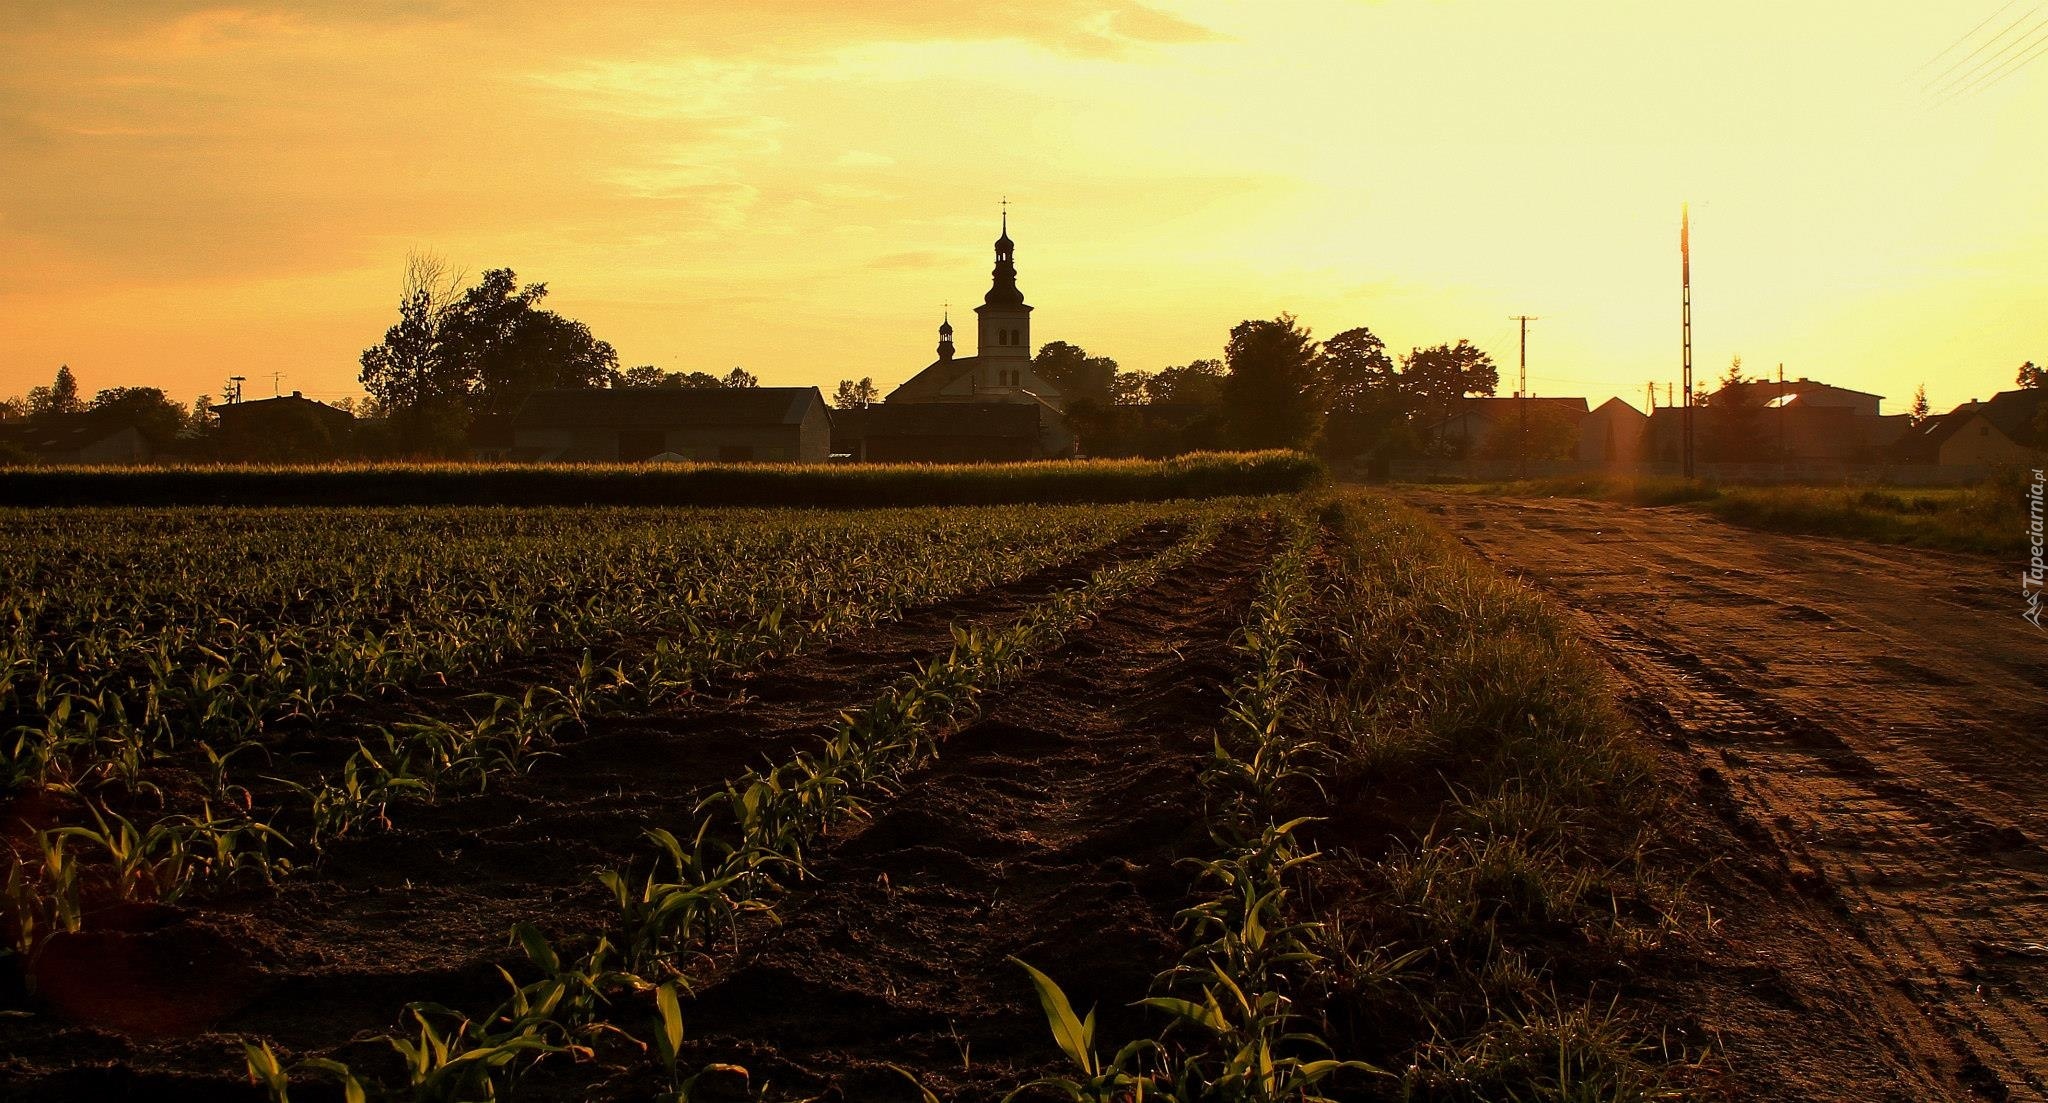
(506, 347)
(1198, 382)
(151, 411)
(853, 395)
(2033, 378)
(1551, 433)
(1078, 375)
(12, 408)
(1127, 388)
(60, 397)
(644, 375)
(1367, 404)
(408, 374)
(1435, 378)
(1735, 432)
(1270, 394)
(1921, 411)
(739, 378)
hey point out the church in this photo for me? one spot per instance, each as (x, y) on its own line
(989, 406)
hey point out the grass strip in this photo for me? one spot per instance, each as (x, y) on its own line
(1989, 518)
(1502, 884)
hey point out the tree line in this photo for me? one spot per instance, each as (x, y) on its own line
(458, 354)
(1275, 386)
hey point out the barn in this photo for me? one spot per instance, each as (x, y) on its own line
(711, 425)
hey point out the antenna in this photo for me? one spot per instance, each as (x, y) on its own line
(276, 381)
(233, 391)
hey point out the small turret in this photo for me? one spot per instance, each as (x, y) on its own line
(946, 337)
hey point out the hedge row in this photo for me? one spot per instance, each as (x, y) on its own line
(1199, 475)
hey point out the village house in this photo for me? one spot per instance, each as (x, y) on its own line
(1980, 434)
(1613, 433)
(286, 427)
(709, 425)
(1798, 421)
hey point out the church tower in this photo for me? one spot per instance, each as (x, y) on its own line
(946, 337)
(1005, 330)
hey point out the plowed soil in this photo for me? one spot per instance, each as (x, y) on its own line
(1870, 727)
(1049, 829)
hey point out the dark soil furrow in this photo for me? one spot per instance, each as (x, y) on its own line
(1051, 829)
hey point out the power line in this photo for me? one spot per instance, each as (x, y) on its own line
(1987, 44)
(1965, 38)
(1988, 77)
(2022, 42)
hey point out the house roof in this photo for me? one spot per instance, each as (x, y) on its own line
(294, 400)
(952, 419)
(1922, 444)
(1617, 404)
(2014, 411)
(936, 376)
(666, 407)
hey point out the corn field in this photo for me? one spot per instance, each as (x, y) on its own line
(469, 803)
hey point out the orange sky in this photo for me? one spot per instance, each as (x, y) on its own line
(191, 191)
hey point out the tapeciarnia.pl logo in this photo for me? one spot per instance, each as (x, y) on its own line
(2036, 575)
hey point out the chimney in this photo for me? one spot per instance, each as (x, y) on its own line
(296, 394)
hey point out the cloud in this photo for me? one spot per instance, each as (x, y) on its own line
(921, 259)
(863, 159)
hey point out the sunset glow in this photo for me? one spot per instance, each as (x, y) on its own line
(190, 191)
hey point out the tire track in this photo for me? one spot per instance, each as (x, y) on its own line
(1923, 861)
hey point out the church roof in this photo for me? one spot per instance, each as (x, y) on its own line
(934, 379)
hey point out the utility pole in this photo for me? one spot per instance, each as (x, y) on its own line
(1781, 411)
(1522, 401)
(1653, 395)
(1685, 323)
(276, 383)
(1668, 400)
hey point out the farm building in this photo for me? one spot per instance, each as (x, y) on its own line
(95, 436)
(712, 425)
(1612, 433)
(999, 375)
(288, 427)
(2006, 430)
(1799, 421)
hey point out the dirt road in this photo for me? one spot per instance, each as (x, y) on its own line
(1880, 713)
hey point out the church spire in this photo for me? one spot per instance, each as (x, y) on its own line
(1004, 322)
(946, 336)
(1003, 288)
